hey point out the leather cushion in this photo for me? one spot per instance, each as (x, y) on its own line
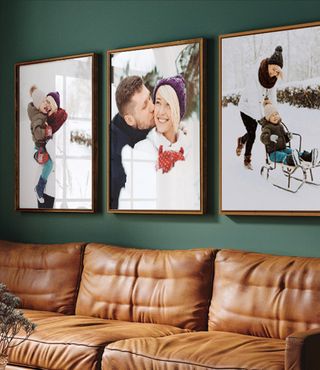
(44, 277)
(76, 342)
(196, 351)
(151, 286)
(265, 295)
(302, 350)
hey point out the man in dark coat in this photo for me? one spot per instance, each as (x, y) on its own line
(130, 125)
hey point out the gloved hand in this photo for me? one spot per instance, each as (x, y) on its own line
(274, 138)
(290, 135)
(41, 155)
(48, 132)
(168, 158)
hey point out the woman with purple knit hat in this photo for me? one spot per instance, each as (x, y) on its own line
(168, 147)
(259, 90)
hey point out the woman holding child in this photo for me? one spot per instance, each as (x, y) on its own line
(259, 89)
(46, 117)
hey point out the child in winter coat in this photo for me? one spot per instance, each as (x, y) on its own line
(46, 118)
(275, 139)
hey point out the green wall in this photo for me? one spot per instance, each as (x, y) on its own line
(42, 29)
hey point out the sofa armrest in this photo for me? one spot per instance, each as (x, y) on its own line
(302, 350)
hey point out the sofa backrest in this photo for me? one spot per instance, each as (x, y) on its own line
(265, 295)
(148, 286)
(44, 277)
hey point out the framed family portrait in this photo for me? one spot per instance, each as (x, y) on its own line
(270, 121)
(56, 143)
(156, 128)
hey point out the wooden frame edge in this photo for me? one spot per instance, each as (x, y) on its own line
(203, 125)
(267, 213)
(94, 167)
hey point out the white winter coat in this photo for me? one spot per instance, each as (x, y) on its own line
(178, 189)
(253, 95)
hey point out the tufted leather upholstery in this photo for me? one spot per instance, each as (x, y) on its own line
(264, 311)
(196, 351)
(45, 277)
(76, 342)
(148, 286)
(264, 295)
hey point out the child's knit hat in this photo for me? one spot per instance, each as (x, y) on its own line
(269, 109)
(179, 86)
(37, 96)
(54, 99)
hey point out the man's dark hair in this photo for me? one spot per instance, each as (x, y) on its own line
(125, 91)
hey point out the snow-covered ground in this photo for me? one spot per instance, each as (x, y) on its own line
(245, 190)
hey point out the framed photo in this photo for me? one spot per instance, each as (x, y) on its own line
(269, 121)
(56, 142)
(156, 128)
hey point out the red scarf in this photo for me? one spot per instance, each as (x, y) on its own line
(167, 158)
(264, 78)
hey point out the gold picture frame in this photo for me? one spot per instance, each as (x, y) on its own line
(153, 169)
(55, 131)
(261, 174)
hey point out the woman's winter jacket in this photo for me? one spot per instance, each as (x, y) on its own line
(254, 94)
(174, 187)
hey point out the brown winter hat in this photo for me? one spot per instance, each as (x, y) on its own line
(269, 109)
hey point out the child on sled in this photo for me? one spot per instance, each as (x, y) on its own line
(275, 138)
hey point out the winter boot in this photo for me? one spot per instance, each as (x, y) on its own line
(239, 146)
(293, 159)
(39, 189)
(247, 162)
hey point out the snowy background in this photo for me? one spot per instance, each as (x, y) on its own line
(245, 190)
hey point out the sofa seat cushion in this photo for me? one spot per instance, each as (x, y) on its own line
(76, 342)
(196, 351)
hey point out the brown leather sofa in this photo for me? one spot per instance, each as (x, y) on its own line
(105, 307)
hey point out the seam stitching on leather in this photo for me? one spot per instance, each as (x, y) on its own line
(178, 361)
(79, 278)
(64, 343)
